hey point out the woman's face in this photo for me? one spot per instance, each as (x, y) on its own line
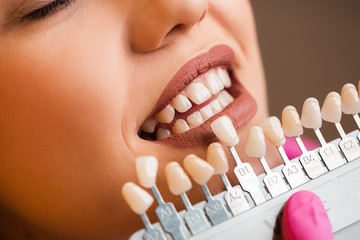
(77, 85)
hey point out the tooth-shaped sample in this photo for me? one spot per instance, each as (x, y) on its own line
(206, 112)
(311, 114)
(166, 115)
(331, 110)
(149, 125)
(137, 198)
(197, 92)
(255, 145)
(350, 99)
(178, 181)
(291, 123)
(225, 131)
(146, 170)
(215, 106)
(195, 119)
(181, 103)
(212, 82)
(163, 133)
(224, 75)
(273, 131)
(180, 126)
(198, 169)
(216, 157)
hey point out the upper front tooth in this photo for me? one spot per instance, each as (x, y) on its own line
(213, 82)
(166, 115)
(197, 92)
(180, 126)
(181, 103)
(224, 76)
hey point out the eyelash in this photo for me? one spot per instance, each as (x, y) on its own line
(47, 10)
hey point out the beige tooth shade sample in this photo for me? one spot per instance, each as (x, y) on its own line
(177, 180)
(350, 99)
(198, 169)
(291, 123)
(311, 114)
(255, 145)
(146, 170)
(331, 110)
(137, 198)
(216, 157)
(273, 131)
(225, 131)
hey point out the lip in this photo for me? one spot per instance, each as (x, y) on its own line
(240, 111)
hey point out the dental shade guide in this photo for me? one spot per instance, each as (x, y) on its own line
(139, 201)
(255, 146)
(292, 128)
(201, 172)
(311, 118)
(146, 169)
(225, 131)
(275, 134)
(179, 183)
(233, 197)
(351, 103)
(331, 111)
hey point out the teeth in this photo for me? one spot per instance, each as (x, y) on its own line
(177, 180)
(216, 157)
(149, 125)
(206, 112)
(331, 110)
(224, 76)
(163, 133)
(273, 131)
(225, 131)
(255, 145)
(195, 119)
(215, 106)
(198, 169)
(181, 103)
(137, 198)
(311, 114)
(213, 82)
(180, 126)
(197, 92)
(224, 98)
(166, 115)
(291, 122)
(146, 170)
(350, 99)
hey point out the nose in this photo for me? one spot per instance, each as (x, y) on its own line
(152, 22)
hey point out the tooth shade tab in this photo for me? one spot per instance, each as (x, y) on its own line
(197, 92)
(216, 157)
(180, 126)
(331, 110)
(198, 169)
(137, 198)
(311, 114)
(255, 145)
(166, 115)
(149, 125)
(181, 103)
(224, 75)
(163, 133)
(195, 119)
(291, 123)
(225, 131)
(177, 180)
(350, 99)
(273, 131)
(146, 170)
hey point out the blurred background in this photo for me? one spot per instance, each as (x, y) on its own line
(309, 48)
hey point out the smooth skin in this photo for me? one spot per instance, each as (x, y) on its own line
(75, 88)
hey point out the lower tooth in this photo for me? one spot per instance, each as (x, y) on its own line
(216, 107)
(224, 99)
(163, 133)
(180, 126)
(195, 119)
(206, 112)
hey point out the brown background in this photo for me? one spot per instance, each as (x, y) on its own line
(309, 48)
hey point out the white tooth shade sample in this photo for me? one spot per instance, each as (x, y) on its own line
(311, 114)
(181, 103)
(331, 110)
(177, 180)
(198, 169)
(291, 123)
(197, 92)
(225, 131)
(255, 145)
(166, 115)
(350, 99)
(137, 198)
(146, 170)
(273, 131)
(216, 157)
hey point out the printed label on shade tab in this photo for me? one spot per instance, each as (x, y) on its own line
(312, 164)
(350, 148)
(294, 174)
(330, 154)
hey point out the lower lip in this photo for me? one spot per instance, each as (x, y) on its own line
(240, 111)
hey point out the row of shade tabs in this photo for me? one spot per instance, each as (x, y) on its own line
(234, 202)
